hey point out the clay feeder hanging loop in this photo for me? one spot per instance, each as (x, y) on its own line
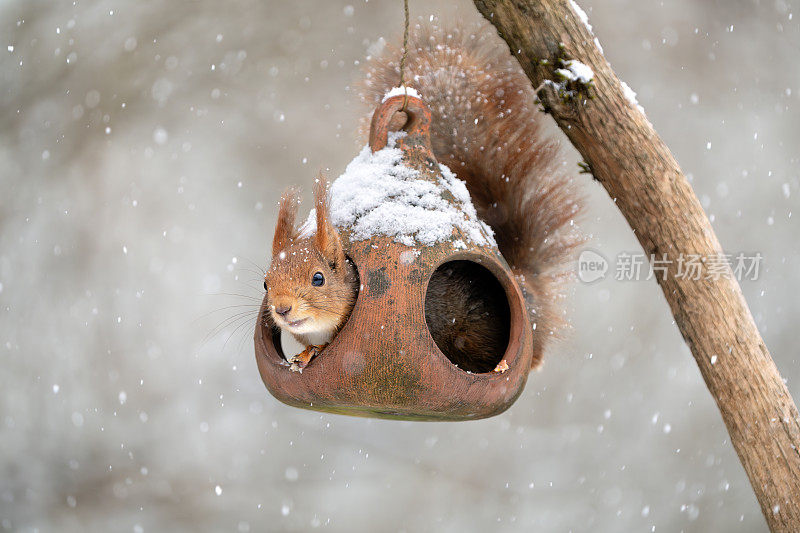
(414, 119)
(384, 362)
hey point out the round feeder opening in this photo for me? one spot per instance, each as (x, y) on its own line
(467, 305)
(283, 343)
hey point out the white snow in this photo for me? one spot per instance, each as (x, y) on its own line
(399, 91)
(160, 136)
(576, 71)
(630, 94)
(408, 257)
(585, 19)
(598, 45)
(581, 15)
(378, 195)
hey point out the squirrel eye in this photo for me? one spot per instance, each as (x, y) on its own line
(318, 279)
(265, 286)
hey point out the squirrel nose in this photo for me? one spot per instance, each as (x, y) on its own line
(283, 309)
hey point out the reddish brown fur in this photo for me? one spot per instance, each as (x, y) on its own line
(486, 127)
(284, 228)
(296, 258)
(327, 238)
(468, 317)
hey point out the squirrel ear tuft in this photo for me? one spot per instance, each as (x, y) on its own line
(327, 238)
(284, 229)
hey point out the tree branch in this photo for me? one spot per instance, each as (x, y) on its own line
(639, 172)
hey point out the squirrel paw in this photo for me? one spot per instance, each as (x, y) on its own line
(501, 367)
(301, 360)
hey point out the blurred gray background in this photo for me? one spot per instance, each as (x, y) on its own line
(143, 146)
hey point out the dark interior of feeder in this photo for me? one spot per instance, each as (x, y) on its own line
(277, 342)
(468, 315)
(281, 338)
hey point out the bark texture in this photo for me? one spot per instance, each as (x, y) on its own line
(623, 151)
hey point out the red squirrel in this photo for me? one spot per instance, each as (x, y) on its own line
(311, 284)
(486, 127)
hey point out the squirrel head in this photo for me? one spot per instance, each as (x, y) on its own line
(311, 285)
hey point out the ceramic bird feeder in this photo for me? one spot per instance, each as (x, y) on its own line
(384, 362)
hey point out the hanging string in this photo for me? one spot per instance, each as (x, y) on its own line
(403, 58)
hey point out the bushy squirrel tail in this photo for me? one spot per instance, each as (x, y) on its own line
(487, 128)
